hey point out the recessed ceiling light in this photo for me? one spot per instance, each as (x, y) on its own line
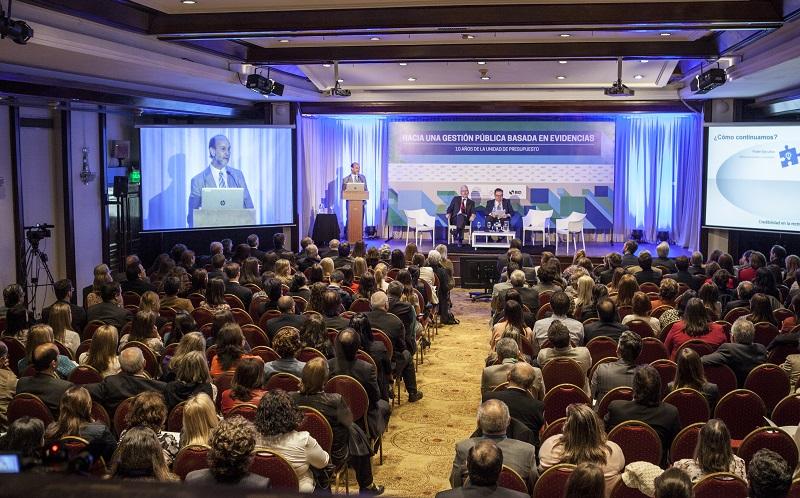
(644, 61)
(638, 77)
(340, 80)
(283, 40)
(468, 37)
(666, 34)
(411, 78)
(481, 63)
(486, 77)
(188, 2)
(565, 35)
(561, 77)
(375, 38)
(562, 62)
(326, 65)
(403, 63)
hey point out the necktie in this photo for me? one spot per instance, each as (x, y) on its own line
(221, 180)
(463, 205)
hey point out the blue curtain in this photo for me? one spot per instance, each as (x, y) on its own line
(658, 176)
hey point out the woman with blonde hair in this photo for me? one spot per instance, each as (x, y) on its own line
(626, 288)
(411, 250)
(42, 334)
(447, 264)
(583, 441)
(327, 269)
(150, 302)
(359, 267)
(139, 456)
(60, 319)
(102, 354)
(191, 378)
(283, 271)
(199, 419)
(75, 419)
(102, 275)
(143, 329)
(380, 276)
(585, 307)
(193, 341)
(712, 453)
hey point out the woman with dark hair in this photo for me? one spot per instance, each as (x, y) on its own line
(641, 311)
(512, 325)
(250, 272)
(313, 335)
(398, 260)
(359, 250)
(586, 481)
(712, 454)
(316, 302)
(765, 283)
(246, 386)
(726, 263)
(317, 274)
(199, 282)
(273, 289)
(229, 457)
(373, 257)
(17, 324)
(761, 310)
(149, 411)
(673, 483)
(182, 325)
(725, 284)
(140, 457)
(350, 443)
(299, 286)
(25, 437)
(627, 287)
(367, 285)
(411, 251)
(75, 419)
(713, 257)
(215, 296)
(694, 325)
(143, 329)
(375, 349)
(287, 344)
(230, 349)
(690, 374)
(709, 294)
(276, 422)
(165, 267)
(616, 276)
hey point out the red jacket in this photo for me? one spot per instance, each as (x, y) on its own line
(677, 336)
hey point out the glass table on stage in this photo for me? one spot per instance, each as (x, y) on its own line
(504, 241)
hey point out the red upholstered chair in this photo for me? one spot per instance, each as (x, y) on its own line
(691, 404)
(223, 382)
(88, 330)
(167, 313)
(190, 458)
(782, 314)
(16, 352)
(241, 316)
(720, 484)
(620, 490)
(702, 348)
(280, 472)
(84, 374)
(202, 316)
(735, 313)
(151, 365)
(623, 393)
(771, 438)
(99, 414)
(130, 298)
(253, 288)
(509, 479)
(608, 359)
(197, 299)
(722, 376)
(794, 491)
(639, 442)
(360, 305)
(787, 411)
(562, 371)
(83, 348)
(318, 426)
(553, 481)
(74, 445)
(545, 310)
(267, 316)
(648, 287)
(544, 297)
(300, 304)
(354, 395)
(233, 301)
(211, 352)
(742, 411)
(588, 321)
(363, 356)
(283, 380)
(656, 313)
(624, 311)
(121, 416)
(765, 332)
(559, 398)
(175, 418)
(266, 353)
(28, 404)
(684, 443)
(642, 328)
(601, 347)
(64, 351)
(652, 349)
(726, 326)
(254, 335)
(246, 410)
(779, 353)
(207, 329)
(551, 429)
(308, 354)
(770, 382)
(666, 370)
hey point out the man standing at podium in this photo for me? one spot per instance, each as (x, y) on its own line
(355, 176)
(460, 212)
(217, 175)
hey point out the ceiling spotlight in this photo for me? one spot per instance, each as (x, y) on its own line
(485, 75)
(326, 65)
(403, 63)
(481, 63)
(666, 34)
(188, 2)
(375, 38)
(411, 78)
(284, 40)
(562, 62)
(644, 61)
(467, 37)
(638, 76)
(565, 35)
(561, 77)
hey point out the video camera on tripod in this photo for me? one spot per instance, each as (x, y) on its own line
(37, 232)
(34, 262)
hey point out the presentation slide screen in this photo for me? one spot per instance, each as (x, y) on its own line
(211, 177)
(753, 177)
(566, 166)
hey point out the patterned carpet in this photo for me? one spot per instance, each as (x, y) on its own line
(420, 443)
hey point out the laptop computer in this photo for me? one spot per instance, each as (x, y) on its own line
(222, 198)
(354, 187)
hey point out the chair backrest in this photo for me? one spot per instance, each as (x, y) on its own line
(207, 329)
(202, 316)
(121, 415)
(742, 411)
(510, 479)
(223, 382)
(794, 491)
(551, 429)
(83, 347)
(559, 398)
(241, 316)
(562, 371)
(782, 314)
(787, 411)
(99, 414)
(88, 330)
(596, 366)
(266, 353)
(283, 380)
(84, 374)
(656, 313)
(702, 348)
(364, 356)
(190, 458)
(601, 347)
(28, 404)
(735, 313)
(624, 311)
(64, 350)
(620, 490)
(691, 404)
(234, 301)
(771, 438)
(641, 327)
(281, 474)
(353, 393)
(246, 410)
(545, 310)
(536, 218)
(175, 418)
(318, 426)
(623, 392)
(648, 287)
(151, 365)
(379, 335)
(684, 443)
(780, 352)
(666, 370)
(765, 333)
(300, 304)
(652, 350)
(308, 354)
(720, 484)
(256, 304)
(167, 313)
(639, 442)
(553, 481)
(770, 382)
(16, 352)
(130, 298)
(197, 299)
(360, 305)
(254, 335)
(722, 376)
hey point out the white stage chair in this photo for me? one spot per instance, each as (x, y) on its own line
(421, 222)
(534, 221)
(467, 230)
(572, 224)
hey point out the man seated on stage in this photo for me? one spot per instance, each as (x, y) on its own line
(498, 209)
(460, 212)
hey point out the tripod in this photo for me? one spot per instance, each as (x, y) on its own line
(35, 262)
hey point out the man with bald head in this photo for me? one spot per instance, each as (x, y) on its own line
(287, 318)
(520, 396)
(131, 381)
(484, 464)
(493, 421)
(46, 384)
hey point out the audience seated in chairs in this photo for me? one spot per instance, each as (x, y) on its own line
(45, 383)
(560, 303)
(484, 464)
(673, 483)
(768, 475)
(287, 344)
(313, 335)
(172, 286)
(230, 349)
(694, 325)
(193, 341)
(25, 437)
(246, 386)
(143, 329)
(690, 374)
(231, 446)
(287, 318)
(619, 373)
(336, 284)
(42, 334)
(520, 397)
(559, 336)
(191, 378)
(331, 307)
(102, 354)
(140, 457)
(641, 311)
(148, 410)
(792, 368)
(513, 325)
(499, 364)
(299, 286)
(742, 355)
(75, 419)
(375, 349)
(102, 275)
(60, 319)
(712, 454)
(607, 326)
(110, 310)
(182, 324)
(199, 420)
(586, 481)
(8, 385)
(131, 381)
(493, 421)
(215, 296)
(647, 273)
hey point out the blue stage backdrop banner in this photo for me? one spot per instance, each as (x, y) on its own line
(566, 166)
(182, 165)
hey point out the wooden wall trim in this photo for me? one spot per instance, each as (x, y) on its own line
(69, 206)
(16, 192)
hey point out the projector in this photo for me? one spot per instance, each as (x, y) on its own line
(338, 91)
(264, 86)
(708, 80)
(18, 31)
(617, 89)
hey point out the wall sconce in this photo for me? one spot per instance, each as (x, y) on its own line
(86, 172)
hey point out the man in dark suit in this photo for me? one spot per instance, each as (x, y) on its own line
(134, 281)
(613, 261)
(493, 421)
(232, 286)
(253, 242)
(461, 212)
(744, 291)
(628, 254)
(309, 258)
(647, 407)
(528, 296)
(498, 209)
(663, 259)
(218, 174)
(520, 398)
(405, 312)
(741, 355)
(343, 258)
(696, 267)
(379, 318)
(131, 381)
(607, 326)
(46, 384)
(63, 290)
(288, 318)
(332, 302)
(337, 278)
(484, 464)
(647, 273)
(205, 259)
(278, 247)
(609, 376)
(355, 176)
(217, 265)
(684, 276)
(109, 311)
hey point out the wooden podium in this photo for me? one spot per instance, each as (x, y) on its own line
(355, 214)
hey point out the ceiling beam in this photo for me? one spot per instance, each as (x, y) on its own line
(492, 107)
(123, 14)
(750, 14)
(701, 49)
